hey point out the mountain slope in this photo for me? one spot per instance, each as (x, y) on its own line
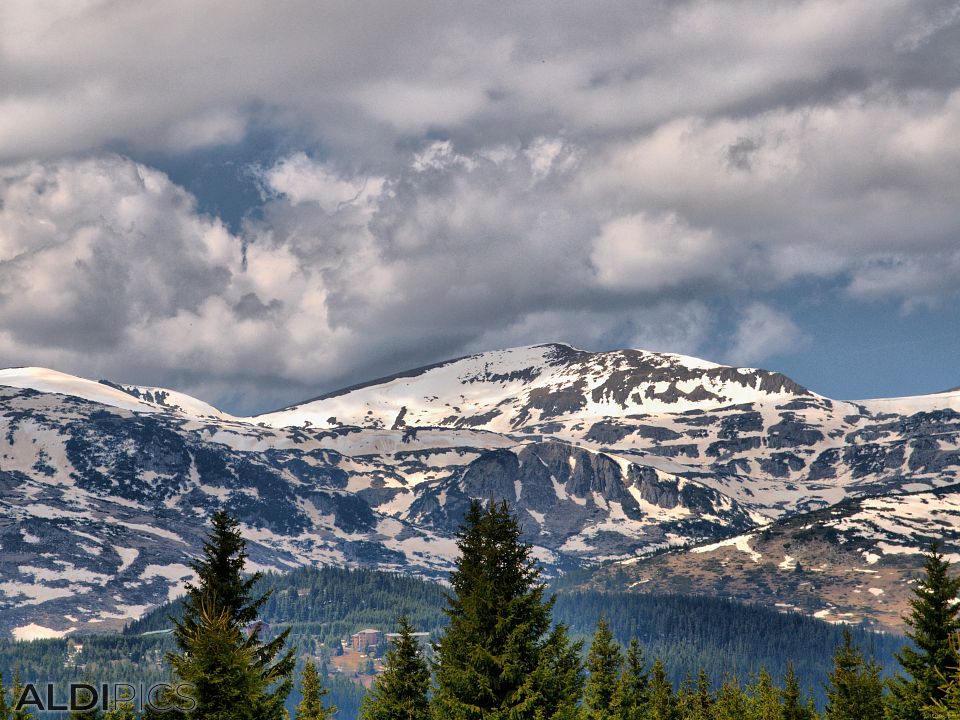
(105, 488)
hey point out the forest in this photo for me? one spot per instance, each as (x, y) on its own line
(584, 655)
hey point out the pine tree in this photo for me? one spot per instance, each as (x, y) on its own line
(856, 690)
(662, 703)
(400, 693)
(603, 663)
(489, 659)
(312, 692)
(630, 700)
(933, 619)
(234, 674)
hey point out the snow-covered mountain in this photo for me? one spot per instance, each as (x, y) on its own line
(105, 487)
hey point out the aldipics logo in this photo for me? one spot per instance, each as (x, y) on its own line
(83, 697)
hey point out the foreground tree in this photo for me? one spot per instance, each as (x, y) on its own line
(795, 707)
(5, 705)
(732, 702)
(947, 707)
(855, 691)
(312, 692)
(764, 698)
(234, 673)
(495, 656)
(16, 693)
(933, 620)
(400, 693)
(603, 663)
(558, 680)
(661, 702)
(630, 700)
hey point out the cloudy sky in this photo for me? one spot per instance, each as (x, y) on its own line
(257, 201)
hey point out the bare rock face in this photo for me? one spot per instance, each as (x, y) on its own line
(105, 489)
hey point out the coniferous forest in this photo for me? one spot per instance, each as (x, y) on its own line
(501, 644)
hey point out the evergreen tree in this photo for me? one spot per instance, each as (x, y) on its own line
(558, 682)
(661, 704)
(85, 697)
(312, 692)
(603, 663)
(732, 702)
(686, 697)
(947, 707)
(933, 619)
(794, 706)
(220, 664)
(234, 674)
(630, 700)
(121, 709)
(855, 691)
(16, 692)
(489, 659)
(5, 708)
(764, 698)
(701, 709)
(400, 693)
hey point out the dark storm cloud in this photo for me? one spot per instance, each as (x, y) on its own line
(461, 176)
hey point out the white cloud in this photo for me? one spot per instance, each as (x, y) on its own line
(301, 180)
(457, 177)
(763, 332)
(641, 253)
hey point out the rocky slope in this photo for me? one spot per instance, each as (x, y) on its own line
(855, 562)
(104, 488)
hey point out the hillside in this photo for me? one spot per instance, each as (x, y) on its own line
(105, 487)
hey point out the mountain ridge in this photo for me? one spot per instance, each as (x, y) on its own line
(605, 457)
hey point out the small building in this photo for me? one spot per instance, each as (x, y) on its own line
(365, 638)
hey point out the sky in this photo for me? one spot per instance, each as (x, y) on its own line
(256, 202)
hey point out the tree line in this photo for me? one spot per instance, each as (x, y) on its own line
(502, 656)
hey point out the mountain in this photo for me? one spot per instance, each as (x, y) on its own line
(613, 456)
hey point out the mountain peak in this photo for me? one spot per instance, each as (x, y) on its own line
(518, 388)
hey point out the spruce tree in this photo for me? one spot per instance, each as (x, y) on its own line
(121, 708)
(557, 683)
(933, 619)
(855, 691)
(603, 663)
(794, 705)
(686, 697)
(702, 707)
(947, 707)
(400, 693)
(312, 692)
(233, 672)
(662, 704)
(630, 700)
(16, 692)
(84, 697)
(764, 698)
(4, 703)
(732, 702)
(491, 655)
